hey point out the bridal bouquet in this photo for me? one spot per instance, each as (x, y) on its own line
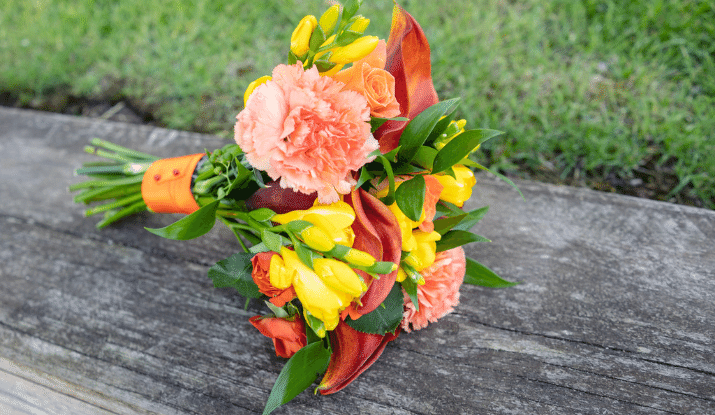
(344, 187)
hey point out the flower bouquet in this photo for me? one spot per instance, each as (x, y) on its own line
(344, 188)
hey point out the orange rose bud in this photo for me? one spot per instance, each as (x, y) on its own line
(288, 334)
(261, 266)
(368, 77)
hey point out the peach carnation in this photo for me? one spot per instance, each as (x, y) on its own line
(440, 293)
(307, 131)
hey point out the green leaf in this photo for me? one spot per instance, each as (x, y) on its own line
(425, 157)
(417, 131)
(365, 176)
(448, 209)
(460, 147)
(191, 226)
(453, 239)
(411, 290)
(444, 225)
(410, 197)
(261, 214)
(304, 253)
(478, 274)
(346, 37)
(440, 127)
(392, 155)
(292, 59)
(350, 8)
(298, 225)
(471, 219)
(235, 271)
(298, 374)
(383, 319)
(376, 123)
(273, 241)
(390, 198)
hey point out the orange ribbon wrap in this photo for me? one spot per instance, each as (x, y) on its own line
(166, 186)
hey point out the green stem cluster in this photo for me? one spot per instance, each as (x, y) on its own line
(116, 181)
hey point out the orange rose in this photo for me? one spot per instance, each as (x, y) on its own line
(261, 265)
(288, 334)
(368, 77)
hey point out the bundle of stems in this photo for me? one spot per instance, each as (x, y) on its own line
(117, 180)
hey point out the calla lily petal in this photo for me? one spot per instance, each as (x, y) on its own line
(353, 353)
(408, 60)
(377, 233)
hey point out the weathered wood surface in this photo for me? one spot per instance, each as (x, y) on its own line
(615, 314)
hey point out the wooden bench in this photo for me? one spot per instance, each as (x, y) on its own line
(615, 314)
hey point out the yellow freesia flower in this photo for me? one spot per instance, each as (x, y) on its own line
(334, 219)
(329, 18)
(355, 51)
(339, 276)
(300, 39)
(321, 300)
(424, 253)
(360, 24)
(458, 190)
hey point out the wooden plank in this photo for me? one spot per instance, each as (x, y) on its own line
(24, 390)
(614, 313)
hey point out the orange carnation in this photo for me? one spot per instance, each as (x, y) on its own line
(306, 131)
(368, 77)
(261, 265)
(440, 293)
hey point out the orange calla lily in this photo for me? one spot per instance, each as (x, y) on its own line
(408, 60)
(353, 353)
(377, 233)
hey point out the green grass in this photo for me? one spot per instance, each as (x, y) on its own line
(593, 88)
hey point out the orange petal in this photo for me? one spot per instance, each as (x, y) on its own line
(434, 189)
(353, 353)
(408, 60)
(288, 335)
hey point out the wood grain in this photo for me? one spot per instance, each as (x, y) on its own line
(614, 314)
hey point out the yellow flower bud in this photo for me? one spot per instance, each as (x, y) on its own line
(329, 18)
(406, 226)
(315, 238)
(359, 258)
(253, 85)
(424, 253)
(320, 300)
(458, 190)
(300, 39)
(278, 274)
(401, 275)
(360, 24)
(454, 129)
(355, 51)
(334, 219)
(339, 276)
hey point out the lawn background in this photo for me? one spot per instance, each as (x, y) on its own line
(617, 95)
